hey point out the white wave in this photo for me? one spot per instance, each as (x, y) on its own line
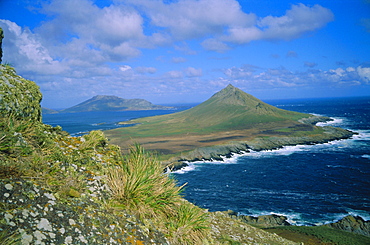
(335, 121)
(362, 135)
(225, 160)
(366, 156)
(190, 167)
(334, 145)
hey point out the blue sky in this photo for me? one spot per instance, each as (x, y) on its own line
(186, 50)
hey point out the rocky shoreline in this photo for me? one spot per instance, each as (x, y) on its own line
(219, 152)
(349, 223)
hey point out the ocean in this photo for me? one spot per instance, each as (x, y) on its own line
(310, 184)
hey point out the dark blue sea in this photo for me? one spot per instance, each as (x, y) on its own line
(311, 185)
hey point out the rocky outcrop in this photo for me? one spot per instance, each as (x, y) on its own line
(270, 220)
(235, 231)
(19, 97)
(354, 224)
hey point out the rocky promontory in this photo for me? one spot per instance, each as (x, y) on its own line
(219, 152)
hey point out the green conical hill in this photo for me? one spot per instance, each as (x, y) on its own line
(229, 109)
(231, 106)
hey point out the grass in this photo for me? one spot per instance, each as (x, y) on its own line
(139, 184)
(9, 238)
(316, 235)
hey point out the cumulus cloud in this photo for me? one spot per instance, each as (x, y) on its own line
(364, 73)
(106, 34)
(193, 19)
(253, 77)
(215, 45)
(193, 72)
(296, 21)
(80, 35)
(177, 60)
(174, 74)
(143, 70)
(25, 50)
(125, 68)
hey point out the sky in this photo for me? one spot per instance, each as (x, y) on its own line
(184, 51)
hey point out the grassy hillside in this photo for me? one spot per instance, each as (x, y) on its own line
(229, 115)
(229, 109)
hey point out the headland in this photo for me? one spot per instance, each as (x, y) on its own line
(231, 121)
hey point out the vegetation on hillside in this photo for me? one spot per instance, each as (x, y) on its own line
(319, 235)
(229, 109)
(63, 165)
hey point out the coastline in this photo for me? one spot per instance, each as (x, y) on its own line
(220, 152)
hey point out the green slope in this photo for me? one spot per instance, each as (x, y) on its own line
(229, 109)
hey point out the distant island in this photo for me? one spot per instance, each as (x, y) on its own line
(109, 103)
(231, 121)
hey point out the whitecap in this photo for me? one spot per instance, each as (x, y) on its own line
(334, 121)
(366, 156)
(190, 167)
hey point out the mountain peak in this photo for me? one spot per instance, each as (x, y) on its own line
(234, 96)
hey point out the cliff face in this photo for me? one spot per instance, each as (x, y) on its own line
(19, 97)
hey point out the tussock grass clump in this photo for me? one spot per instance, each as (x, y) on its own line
(139, 184)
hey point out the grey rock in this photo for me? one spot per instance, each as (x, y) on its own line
(354, 224)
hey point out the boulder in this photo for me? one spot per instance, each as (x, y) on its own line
(270, 220)
(354, 224)
(20, 98)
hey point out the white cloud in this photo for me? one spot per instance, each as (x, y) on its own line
(143, 70)
(125, 68)
(193, 72)
(109, 34)
(24, 50)
(193, 19)
(175, 74)
(297, 21)
(177, 60)
(253, 77)
(364, 73)
(215, 45)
